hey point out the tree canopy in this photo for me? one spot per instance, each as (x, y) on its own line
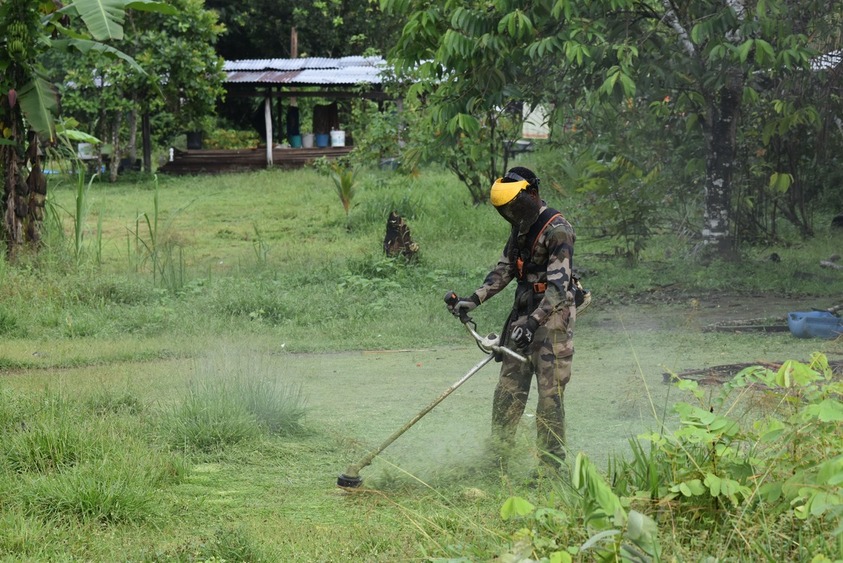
(715, 61)
(29, 30)
(261, 29)
(179, 87)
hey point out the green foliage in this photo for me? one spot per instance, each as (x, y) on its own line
(746, 468)
(179, 85)
(326, 28)
(719, 466)
(343, 174)
(734, 82)
(625, 198)
(231, 139)
(466, 122)
(613, 532)
(32, 32)
(377, 132)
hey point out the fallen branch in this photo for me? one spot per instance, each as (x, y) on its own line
(775, 324)
(717, 375)
(829, 264)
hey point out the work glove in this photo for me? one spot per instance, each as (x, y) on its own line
(459, 306)
(523, 334)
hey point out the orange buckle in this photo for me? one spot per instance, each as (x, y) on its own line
(539, 287)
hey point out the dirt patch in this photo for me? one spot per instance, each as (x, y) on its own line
(662, 309)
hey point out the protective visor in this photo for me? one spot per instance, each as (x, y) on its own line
(522, 211)
(504, 192)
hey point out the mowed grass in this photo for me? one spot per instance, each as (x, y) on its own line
(208, 416)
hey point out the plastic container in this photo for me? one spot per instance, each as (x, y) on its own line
(337, 138)
(295, 141)
(307, 140)
(814, 324)
(322, 140)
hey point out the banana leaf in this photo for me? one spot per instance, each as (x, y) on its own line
(104, 18)
(39, 102)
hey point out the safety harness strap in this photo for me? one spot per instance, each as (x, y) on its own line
(533, 236)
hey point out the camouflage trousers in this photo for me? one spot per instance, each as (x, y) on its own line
(549, 359)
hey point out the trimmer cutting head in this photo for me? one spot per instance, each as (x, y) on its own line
(349, 481)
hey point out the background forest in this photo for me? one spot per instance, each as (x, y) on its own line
(719, 120)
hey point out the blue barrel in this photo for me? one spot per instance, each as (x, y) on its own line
(814, 324)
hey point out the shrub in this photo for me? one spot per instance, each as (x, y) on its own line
(231, 139)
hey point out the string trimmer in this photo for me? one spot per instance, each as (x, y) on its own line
(489, 344)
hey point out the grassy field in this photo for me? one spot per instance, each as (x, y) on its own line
(185, 381)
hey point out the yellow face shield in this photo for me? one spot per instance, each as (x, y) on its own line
(504, 192)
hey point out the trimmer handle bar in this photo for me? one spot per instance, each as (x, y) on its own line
(490, 343)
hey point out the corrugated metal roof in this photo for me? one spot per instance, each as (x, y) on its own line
(311, 71)
(304, 63)
(828, 60)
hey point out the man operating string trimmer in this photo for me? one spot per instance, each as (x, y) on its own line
(539, 256)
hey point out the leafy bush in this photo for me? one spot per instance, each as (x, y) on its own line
(231, 139)
(719, 467)
(613, 532)
(765, 487)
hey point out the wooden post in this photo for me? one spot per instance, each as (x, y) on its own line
(294, 54)
(267, 117)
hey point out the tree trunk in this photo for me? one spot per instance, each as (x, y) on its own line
(146, 135)
(724, 111)
(12, 226)
(114, 165)
(23, 196)
(37, 192)
(132, 147)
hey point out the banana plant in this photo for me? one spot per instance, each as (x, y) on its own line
(29, 101)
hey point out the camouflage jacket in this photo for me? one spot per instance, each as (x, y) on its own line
(551, 262)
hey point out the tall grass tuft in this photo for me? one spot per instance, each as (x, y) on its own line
(235, 398)
(108, 491)
(225, 544)
(48, 436)
(81, 215)
(61, 460)
(208, 419)
(235, 544)
(106, 401)
(22, 536)
(160, 247)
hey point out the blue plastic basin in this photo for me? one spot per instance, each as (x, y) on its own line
(814, 324)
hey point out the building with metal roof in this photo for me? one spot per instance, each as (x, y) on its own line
(330, 77)
(286, 80)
